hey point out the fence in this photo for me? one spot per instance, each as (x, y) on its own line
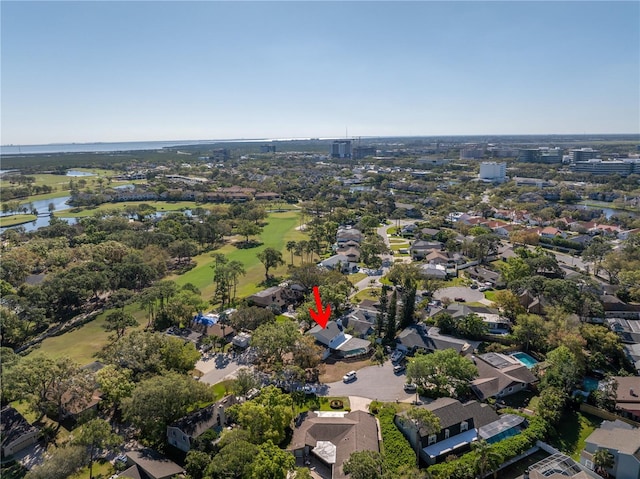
(601, 413)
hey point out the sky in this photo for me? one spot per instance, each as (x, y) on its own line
(155, 70)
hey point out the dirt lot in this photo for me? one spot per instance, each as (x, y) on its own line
(330, 373)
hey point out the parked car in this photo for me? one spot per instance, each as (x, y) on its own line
(398, 368)
(309, 389)
(350, 376)
(397, 356)
(474, 286)
(459, 300)
(410, 387)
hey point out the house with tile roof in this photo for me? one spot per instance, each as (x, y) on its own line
(326, 440)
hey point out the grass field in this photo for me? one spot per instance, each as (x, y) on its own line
(16, 219)
(83, 342)
(572, 432)
(357, 277)
(279, 230)
(158, 205)
(369, 293)
(490, 295)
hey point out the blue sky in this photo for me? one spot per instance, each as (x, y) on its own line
(127, 71)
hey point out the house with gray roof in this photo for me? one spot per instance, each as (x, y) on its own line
(150, 464)
(622, 441)
(182, 433)
(326, 441)
(337, 342)
(460, 424)
(417, 337)
(420, 249)
(500, 375)
(15, 432)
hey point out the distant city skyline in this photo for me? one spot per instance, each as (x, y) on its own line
(164, 71)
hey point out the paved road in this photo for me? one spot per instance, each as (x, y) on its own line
(217, 369)
(469, 295)
(374, 382)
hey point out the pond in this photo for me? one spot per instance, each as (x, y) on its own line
(79, 173)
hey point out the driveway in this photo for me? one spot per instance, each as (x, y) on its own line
(218, 368)
(468, 294)
(374, 382)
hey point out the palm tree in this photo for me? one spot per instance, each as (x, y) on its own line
(488, 459)
(603, 460)
(291, 246)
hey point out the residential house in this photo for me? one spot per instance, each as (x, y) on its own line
(276, 295)
(325, 441)
(435, 271)
(439, 257)
(419, 249)
(533, 304)
(428, 233)
(149, 464)
(622, 441)
(408, 230)
(500, 375)
(551, 232)
(241, 340)
(340, 263)
(628, 396)
(348, 233)
(484, 275)
(459, 427)
(182, 433)
(220, 331)
(15, 432)
(496, 323)
(558, 466)
(418, 337)
(337, 342)
(360, 321)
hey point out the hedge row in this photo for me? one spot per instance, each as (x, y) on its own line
(465, 466)
(398, 452)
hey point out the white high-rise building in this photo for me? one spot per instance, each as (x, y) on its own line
(493, 171)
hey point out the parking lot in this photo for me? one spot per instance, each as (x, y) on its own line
(375, 382)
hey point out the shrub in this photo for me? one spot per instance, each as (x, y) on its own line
(398, 452)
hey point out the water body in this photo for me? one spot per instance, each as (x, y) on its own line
(40, 222)
(59, 204)
(79, 173)
(609, 212)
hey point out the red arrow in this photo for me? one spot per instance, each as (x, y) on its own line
(321, 317)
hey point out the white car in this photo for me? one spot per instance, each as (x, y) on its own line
(410, 387)
(350, 376)
(396, 356)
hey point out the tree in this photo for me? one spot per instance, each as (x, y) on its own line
(118, 321)
(382, 311)
(488, 458)
(564, 369)
(530, 332)
(96, 435)
(52, 386)
(271, 462)
(115, 384)
(603, 460)
(365, 465)
(270, 258)
(596, 251)
(59, 463)
(408, 304)
(251, 317)
(158, 401)
(245, 381)
(472, 326)
(235, 457)
(247, 228)
(273, 340)
(265, 417)
(291, 247)
(508, 303)
(444, 372)
(390, 334)
(551, 404)
(446, 323)
(485, 245)
(196, 463)
(425, 422)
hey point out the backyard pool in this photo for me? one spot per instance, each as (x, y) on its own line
(525, 359)
(590, 384)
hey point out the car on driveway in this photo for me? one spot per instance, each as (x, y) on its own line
(397, 356)
(350, 376)
(399, 368)
(410, 387)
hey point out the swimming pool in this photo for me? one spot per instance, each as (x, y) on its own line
(525, 359)
(590, 384)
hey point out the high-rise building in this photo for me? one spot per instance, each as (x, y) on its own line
(540, 155)
(341, 149)
(492, 171)
(598, 166)
(267, 148)
(583, 154)
(360, 152)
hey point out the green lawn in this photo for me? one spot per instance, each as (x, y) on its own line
(573, 430)
(369, 293)
(102, 469)
(221, 389)
(357, 277)
(158, 205)
(82, 343)
(490, 295)
(279, 230)
(16, 219)
(321, 403)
